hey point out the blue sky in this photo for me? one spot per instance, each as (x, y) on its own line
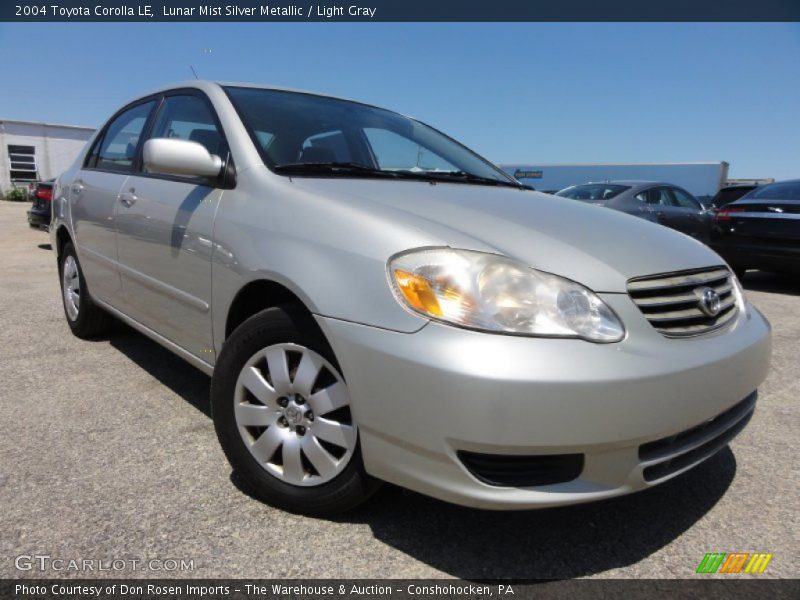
(527, 92)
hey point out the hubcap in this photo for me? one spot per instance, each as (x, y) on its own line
(71, 287)
(292, 410)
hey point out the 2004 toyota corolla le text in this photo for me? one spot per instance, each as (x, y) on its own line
(374, 301)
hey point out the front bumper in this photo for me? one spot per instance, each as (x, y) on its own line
(420, 399)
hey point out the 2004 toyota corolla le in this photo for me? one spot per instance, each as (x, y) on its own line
(377, 302)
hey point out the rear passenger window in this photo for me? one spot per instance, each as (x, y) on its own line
(189, 118)
(117, 151)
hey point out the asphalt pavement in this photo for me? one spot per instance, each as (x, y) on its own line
(107, 452)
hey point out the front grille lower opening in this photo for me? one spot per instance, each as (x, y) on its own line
(522, 471)
(661, 470)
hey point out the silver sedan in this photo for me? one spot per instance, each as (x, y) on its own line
(376, 302)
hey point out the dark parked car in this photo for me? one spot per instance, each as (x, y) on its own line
(39, 214)
(730, 194)
(761, 230)
(662, 203)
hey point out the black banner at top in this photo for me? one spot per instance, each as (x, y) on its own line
(397, 10)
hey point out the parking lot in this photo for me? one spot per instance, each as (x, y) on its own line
(108, 452)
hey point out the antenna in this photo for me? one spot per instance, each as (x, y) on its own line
(194, 72)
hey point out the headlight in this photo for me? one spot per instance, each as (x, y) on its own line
(488, 292)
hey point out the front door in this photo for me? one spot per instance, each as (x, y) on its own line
(164, 232)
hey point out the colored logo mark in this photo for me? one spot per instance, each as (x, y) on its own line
(734, 562)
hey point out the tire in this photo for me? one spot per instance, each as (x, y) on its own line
(740, 273)
(282, 413)
(84, 317)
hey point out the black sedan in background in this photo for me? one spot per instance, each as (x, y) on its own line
(662, 203)
(761, 230)
(42, 196)
(731, 193)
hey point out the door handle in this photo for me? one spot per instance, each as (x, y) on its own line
(128, 198)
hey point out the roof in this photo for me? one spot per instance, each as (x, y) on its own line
(209, 86)
(46, 124)
(206, 85)
(643, 164)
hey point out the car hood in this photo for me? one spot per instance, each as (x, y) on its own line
(595, 246)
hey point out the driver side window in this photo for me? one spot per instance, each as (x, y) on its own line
(189, 118)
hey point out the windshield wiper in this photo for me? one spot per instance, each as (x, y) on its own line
(353, 168)
(332, 168)
(464, 177)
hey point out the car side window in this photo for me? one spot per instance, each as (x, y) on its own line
(684, 200)
(659, 196)
(117, 149)
(190, 118)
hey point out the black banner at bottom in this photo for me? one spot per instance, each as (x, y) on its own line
(396, 589)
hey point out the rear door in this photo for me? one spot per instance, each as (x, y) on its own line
(691, 218)
(661, 206)
(164, 229)
(93, 198)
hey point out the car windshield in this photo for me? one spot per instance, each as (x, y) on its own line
(593, 191)
(776, 191)
(299, 133)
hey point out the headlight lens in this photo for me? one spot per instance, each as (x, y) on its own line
(488, 292)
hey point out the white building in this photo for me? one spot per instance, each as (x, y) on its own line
(31, 151)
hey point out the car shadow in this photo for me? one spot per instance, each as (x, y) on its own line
(44, 247)
(545, 544)
(760, 281)
(180, 377)
(555, 543)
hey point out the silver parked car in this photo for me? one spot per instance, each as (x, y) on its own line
(655, 201)
(376, 302)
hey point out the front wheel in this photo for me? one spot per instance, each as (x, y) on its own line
(283, 416)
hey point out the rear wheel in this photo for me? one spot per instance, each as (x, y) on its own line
(84, 317)
(283, 416)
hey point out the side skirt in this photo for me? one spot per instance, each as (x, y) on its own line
(196, 362)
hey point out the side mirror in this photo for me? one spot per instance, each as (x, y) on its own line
(171, 156)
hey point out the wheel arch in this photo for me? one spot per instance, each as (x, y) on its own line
(261, 294)
(63, 237)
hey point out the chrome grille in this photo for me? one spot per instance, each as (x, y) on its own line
(672, 302)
